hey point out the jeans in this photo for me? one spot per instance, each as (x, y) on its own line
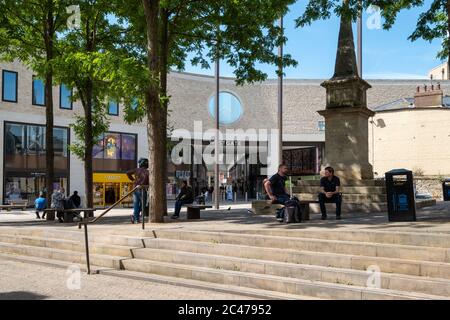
(283, 198)
(179, 204)
(336, 198)
(137, 203)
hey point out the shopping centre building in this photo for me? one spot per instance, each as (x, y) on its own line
(401, 133)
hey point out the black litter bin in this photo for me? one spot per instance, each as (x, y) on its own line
(400, 195)
(446, 189)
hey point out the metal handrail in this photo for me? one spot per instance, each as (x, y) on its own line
(85, 223)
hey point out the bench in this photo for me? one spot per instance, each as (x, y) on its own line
(304, 208)
(193, 210)
(15, 204)
(69, 213)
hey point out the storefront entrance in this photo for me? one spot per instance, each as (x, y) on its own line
(110, 187)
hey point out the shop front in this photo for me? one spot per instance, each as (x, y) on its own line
(113, 156)
(110, 187)
(24, 161)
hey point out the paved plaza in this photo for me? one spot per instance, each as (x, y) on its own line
(22, 279)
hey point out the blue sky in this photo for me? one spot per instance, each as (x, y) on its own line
(386, 54)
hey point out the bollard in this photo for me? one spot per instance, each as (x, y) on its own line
(246, 196)
(235, 197)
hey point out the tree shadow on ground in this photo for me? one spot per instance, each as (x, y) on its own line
(21, 295)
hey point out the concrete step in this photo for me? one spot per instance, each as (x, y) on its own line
(224, 288)
(268, 282)
(425, 239)
(70, 245)
(344, 189)
(74, 235)
(315, 245)
(100, 260)
(349, 183)
(397, 282)
(348, 197)
(240, 291)
(336, 260)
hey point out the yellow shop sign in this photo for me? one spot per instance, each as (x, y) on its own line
(110, 177)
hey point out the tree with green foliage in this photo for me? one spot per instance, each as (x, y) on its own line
(96, 65)
(28, 33)
(243, 33)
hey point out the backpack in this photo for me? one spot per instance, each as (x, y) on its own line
(291, 211)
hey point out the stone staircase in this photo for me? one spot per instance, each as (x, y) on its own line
(267, 264)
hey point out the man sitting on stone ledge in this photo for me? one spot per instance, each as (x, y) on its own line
(330, 185)
(275, 187)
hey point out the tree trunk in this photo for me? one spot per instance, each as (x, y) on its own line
(49, 153)
(88, 174)
(164, 70)
(156, 140)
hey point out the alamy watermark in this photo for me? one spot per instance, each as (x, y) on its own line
(73, 281)
(74, 20)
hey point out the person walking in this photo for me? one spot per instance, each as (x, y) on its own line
(139, 176)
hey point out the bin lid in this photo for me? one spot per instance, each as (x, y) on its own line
(399, 171)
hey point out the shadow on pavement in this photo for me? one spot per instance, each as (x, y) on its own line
(21, 295)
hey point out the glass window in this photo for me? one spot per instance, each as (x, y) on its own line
(38, 92)
(14, 138)
(60, 142)
(321, 125)
(97, 151)
(35, 140)
(134, 104)
(113, 108)
(112, 146)
(9, 87)
(65, 97)
(230, 108)
(128, 147)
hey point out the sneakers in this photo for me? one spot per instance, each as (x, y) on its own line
(174, 217)
(132, 219)
(338, 217)
(324, 217)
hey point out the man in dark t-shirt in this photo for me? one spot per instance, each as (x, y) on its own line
(330, 185)
(275, 186)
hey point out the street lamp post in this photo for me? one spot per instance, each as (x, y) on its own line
(216, 140)
(280, 98)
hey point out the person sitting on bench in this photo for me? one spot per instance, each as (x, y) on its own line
(40, 204)
(330, 185)
(186, 196)
(275, 187)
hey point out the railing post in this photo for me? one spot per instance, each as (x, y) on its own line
(86, 241)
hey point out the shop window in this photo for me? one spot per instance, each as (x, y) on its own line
(115, 152)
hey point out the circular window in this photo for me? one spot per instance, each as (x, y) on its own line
(230, 108)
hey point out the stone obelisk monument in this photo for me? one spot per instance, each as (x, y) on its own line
(346, 114)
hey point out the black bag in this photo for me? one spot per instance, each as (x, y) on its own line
(292, 211)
